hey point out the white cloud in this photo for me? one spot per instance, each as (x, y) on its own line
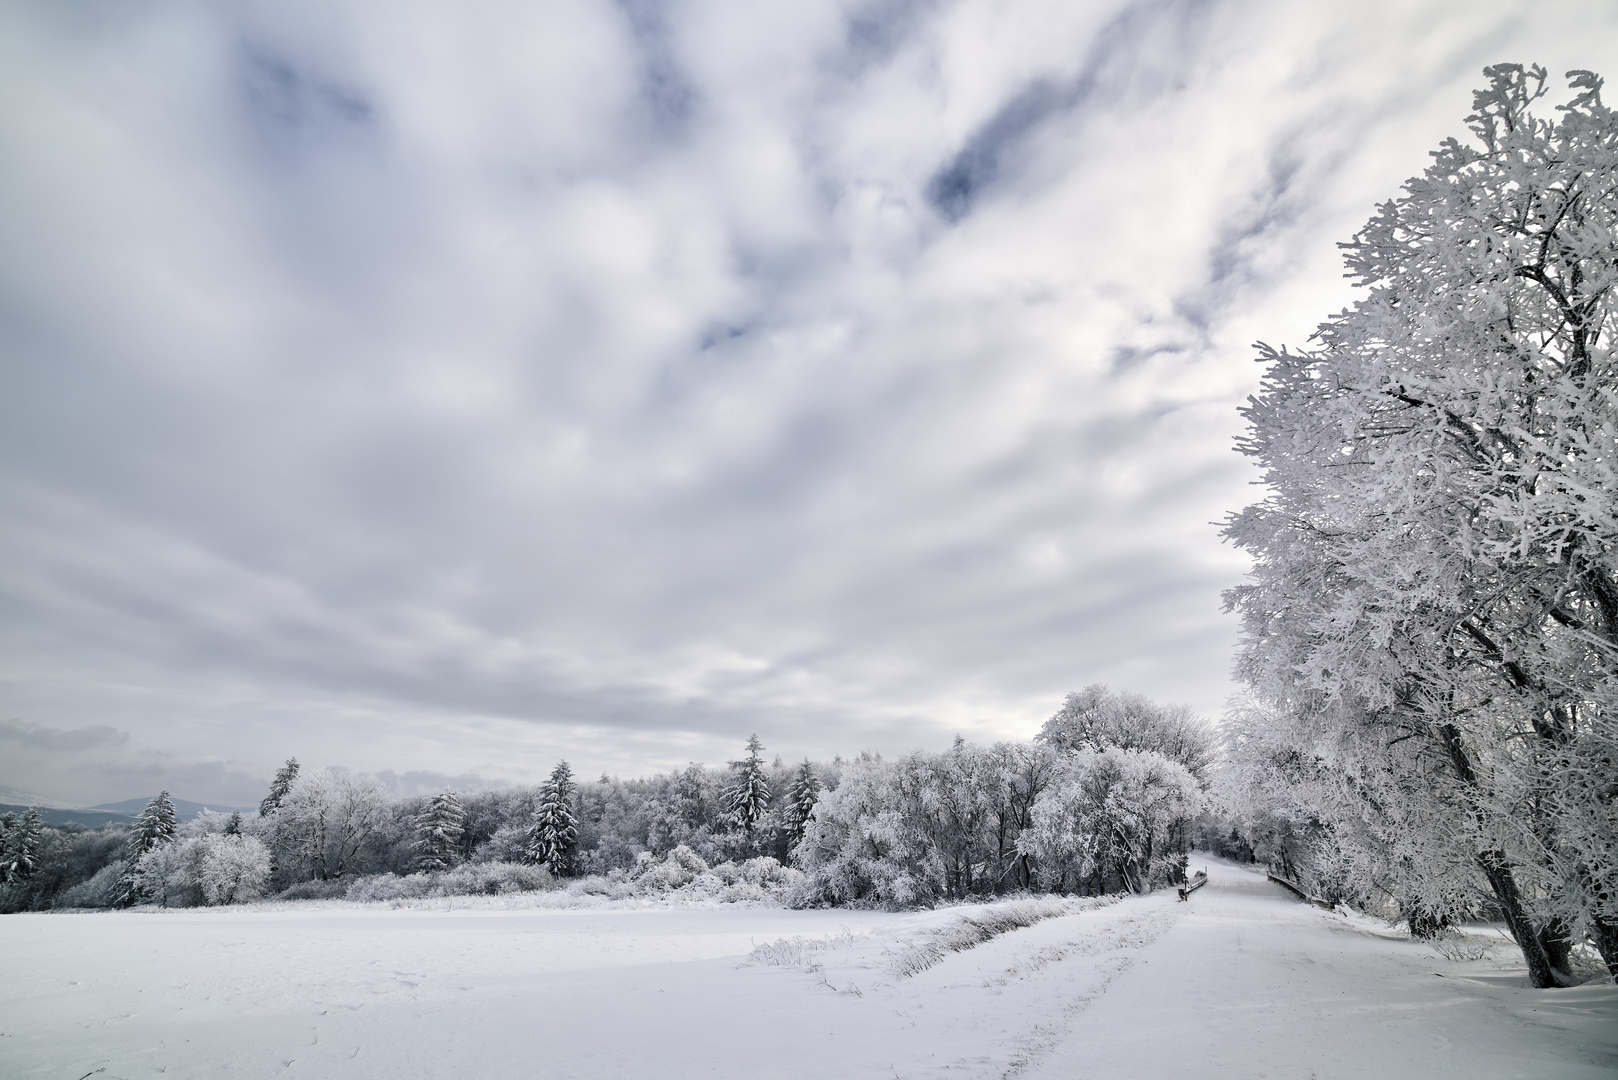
(455, 390)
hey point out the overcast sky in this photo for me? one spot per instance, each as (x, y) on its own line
(452, 388)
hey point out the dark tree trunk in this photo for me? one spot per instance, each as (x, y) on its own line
(1606, 935)
(1504, 885)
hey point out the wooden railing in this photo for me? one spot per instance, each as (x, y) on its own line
(1298, 891)
(1195, 882)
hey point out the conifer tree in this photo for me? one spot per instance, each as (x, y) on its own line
(19, 845)
(748, 796)
(554, 838)
(154, 828)
(438, 832)
(279, 788)
(801, 799)
(233, 827)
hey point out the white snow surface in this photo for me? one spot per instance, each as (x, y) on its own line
(1240, 981)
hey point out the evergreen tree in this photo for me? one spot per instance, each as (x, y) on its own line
(438, 832)
(233, 827)
(279, 788)
(748, 796)
(554, 838)
(19, 845)
(154, 828)
(801, 799)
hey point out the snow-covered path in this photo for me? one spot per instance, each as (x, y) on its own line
(1251, 983)
(1241, 981)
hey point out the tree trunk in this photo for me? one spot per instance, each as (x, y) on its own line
(1504, 884)
(1606, 935)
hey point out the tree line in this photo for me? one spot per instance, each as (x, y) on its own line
(1102, 800)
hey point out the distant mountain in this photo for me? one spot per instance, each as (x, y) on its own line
(183, 809)
(11, 796)
(51, 815)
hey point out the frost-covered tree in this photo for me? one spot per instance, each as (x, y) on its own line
(1096, 718)
(554, 838)
(1437, 562)
(924, 827)
(19, 844)
(801, 798)
(153, 829)
(747, 798)
(438, 833)
(211, 868)
(233, 827)
(233, 869)
(284, 779)
(154, 826)
(1109, 820)
(323, 823)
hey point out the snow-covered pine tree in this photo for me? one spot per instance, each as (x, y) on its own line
(153, 828)
(748, 796)
(554, 838)
(1434, 604)
(19, 845)
(438, 833)
(233, 827)
(279, 788)
(801, 798)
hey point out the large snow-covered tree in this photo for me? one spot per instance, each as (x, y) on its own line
(1434, 606)
(439, 828)
(324, 822)
(748, 797)
(153, 828)
(554, 838)
(1097, 717)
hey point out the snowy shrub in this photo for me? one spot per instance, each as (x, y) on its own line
(208, 869)
(314, 890)
(470, 879)
(101, 891)
(509, 844)
(375, 887)
(233, 869)
(678, 869)
(799, 951)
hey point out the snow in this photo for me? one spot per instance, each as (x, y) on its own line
(1240, 981)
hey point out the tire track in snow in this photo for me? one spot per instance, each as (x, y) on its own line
(1113, 946)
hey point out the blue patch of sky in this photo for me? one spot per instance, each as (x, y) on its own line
(293, 108)
(670, 97)
(1142, 48)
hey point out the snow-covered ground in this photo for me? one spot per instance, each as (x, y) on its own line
(1241, 981)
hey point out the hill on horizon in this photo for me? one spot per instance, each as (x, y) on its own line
(184, 809)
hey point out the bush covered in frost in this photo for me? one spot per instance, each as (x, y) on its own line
(196, 870)
(470, 879)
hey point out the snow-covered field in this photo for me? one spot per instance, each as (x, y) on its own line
(1241, 981)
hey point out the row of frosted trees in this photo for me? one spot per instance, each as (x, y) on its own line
(1431, 628)
(1101, 801)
